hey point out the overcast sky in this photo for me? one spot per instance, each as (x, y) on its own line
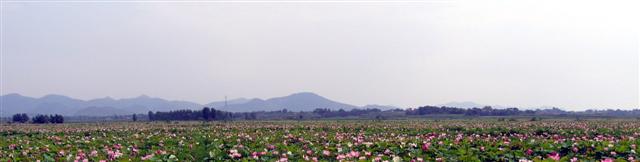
(573, 54)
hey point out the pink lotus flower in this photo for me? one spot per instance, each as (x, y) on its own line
(161, 152)
(574, 159)
(529, 152)
(354, 154)
(425, 147)
(147, 157)
(134, 151)
(94, 153)
(117, 146)
(607, 160)
(114, 154)
(554, 155)
(233, 153)
(326, 152)
(387, 151)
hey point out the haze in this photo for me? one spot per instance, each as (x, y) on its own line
(571, 54)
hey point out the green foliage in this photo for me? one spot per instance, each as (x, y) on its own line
(358, 140)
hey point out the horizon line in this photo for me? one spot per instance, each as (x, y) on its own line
(541, 107)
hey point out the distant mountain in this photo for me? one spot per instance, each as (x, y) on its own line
(59, 104)
(101, 111)
(145, 103)
(229, 102)
(15, 103)
(305, 101)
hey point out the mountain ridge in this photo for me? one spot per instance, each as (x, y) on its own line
(13, 103)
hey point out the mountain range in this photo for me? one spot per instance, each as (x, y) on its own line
(59, 104)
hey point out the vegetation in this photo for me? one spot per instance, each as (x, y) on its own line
(20, 118)
(204, 114)
(38, 119)
(211, 114)
(43, 119)
(327, 140)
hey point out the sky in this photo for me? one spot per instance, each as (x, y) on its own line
(573, 54)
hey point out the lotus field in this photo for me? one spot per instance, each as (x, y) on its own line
(330, 140)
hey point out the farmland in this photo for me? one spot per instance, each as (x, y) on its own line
(326, 140)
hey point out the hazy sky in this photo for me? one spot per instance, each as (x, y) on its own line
(573, 54)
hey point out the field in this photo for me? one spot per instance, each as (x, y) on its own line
(329, 140)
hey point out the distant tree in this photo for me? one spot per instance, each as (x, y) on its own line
(40, 119)
(25, 118)
(248, 116)
(214, 114)
(135, 118)
(229, 116)
(206, 113)
(56, 118)
(20, 118)
(151, 117)
(253, 116)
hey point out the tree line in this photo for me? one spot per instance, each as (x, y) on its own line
(328, 113)
(489, 111)
(206, 114)
(211, 114)
(485, 111)
(38, 119)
